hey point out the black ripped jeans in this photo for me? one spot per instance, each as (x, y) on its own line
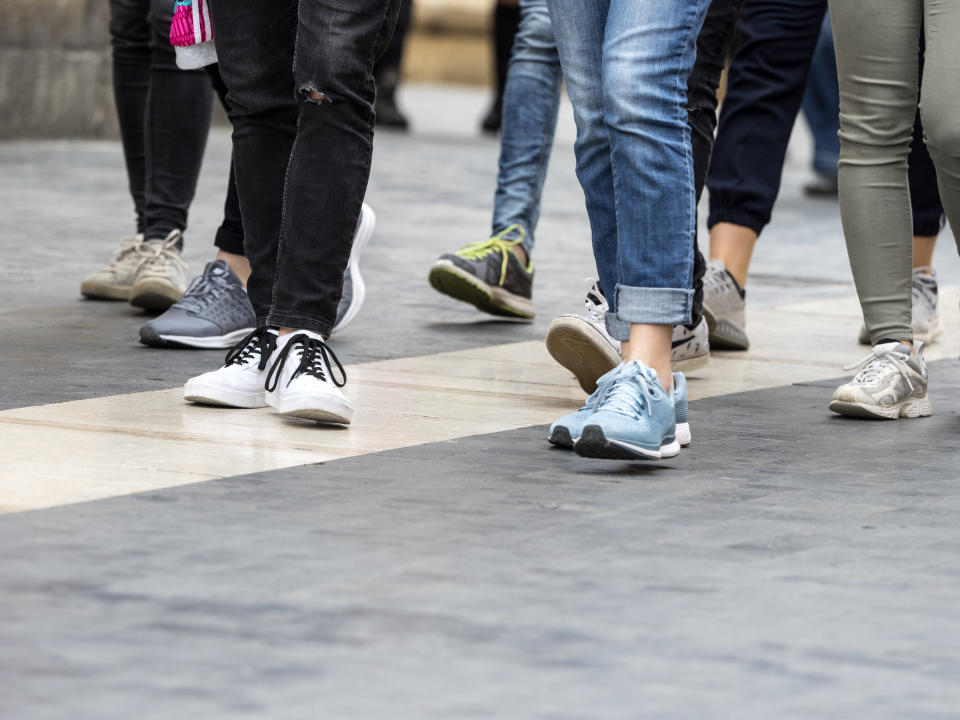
(164, 117)
(301, 92)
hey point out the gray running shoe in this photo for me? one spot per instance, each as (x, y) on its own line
(891, 383)
(215, 312)
(926, 308)
(582, 344)
(354, 289)
(724, 307)
(161, 278)
(115, 280)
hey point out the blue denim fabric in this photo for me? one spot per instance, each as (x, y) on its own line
(626, 64)
(821, 103)
(530, 102)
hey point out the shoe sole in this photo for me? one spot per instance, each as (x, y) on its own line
(562, 439)
(206, 394)
(96, 291)
(307, 407)
(368, 221)
(724, 335)
(594, 444)
(582, 349)
(148, 336)
(909, 408)
(447, 278)
(154, 295)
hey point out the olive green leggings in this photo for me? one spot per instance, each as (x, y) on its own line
(878, 47)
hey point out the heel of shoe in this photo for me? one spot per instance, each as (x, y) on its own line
(917, 407)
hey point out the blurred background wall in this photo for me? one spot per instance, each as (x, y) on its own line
(55, 74)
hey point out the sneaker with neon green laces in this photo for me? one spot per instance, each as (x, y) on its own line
(489, 275)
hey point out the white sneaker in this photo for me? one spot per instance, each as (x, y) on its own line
(240, 382)
(354, 289)
(301, 382)
(161, 278)
(582, 344)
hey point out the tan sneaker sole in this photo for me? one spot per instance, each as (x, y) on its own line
(101, 291)
(154, 295)
(581, 349)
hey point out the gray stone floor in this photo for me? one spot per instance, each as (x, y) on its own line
(789, 564)
(783, 567)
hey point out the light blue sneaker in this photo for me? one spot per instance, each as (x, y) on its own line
(635, 419)
(565, 431)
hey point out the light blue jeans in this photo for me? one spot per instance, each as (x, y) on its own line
(530, 102)
(627, 63)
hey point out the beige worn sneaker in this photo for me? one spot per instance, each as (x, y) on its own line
(161, 277)
(115, 280)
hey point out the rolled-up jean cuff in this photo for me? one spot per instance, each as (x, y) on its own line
(618, 329)
(654, 306)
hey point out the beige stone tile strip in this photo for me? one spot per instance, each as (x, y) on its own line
(90, 449)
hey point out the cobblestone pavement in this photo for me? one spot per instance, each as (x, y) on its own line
(790, 564)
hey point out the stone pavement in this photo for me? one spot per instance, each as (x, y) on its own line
(789, 564)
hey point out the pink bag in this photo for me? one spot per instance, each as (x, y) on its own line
(192, 34)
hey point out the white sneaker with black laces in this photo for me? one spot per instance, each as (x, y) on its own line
(301, 382)
(240, 382)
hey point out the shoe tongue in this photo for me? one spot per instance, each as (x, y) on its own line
(218, 267)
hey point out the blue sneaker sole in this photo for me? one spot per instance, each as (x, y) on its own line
(592, 443)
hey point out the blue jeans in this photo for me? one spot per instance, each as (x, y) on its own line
(821, 103)
(626, 64)
(530, 103)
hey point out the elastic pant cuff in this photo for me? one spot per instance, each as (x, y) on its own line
(745, 218)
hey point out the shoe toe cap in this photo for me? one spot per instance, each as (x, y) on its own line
(179, 322)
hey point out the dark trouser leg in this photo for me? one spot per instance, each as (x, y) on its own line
(230, 233)
(764, 91)
(130, 40)
(177, 121)
(713, 47)
(302, 146)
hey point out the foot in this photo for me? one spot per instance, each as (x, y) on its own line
(240, 382)
(567, 430)
(583, 346)
(724, 307)
(115, 280)
(354, 289)
(891, 383)
(301, 382)
(489, 275)
(926, 308)
(824, 185)
(214, 312)
(161, 277)
(634, 420)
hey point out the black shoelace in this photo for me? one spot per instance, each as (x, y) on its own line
(316, 357)
(260, 341)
